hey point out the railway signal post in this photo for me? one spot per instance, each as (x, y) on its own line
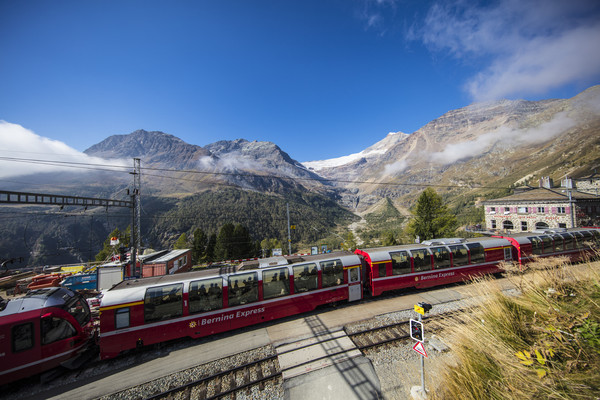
(417, 333)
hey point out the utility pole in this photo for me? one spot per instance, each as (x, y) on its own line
(287, 206)
(135, 215)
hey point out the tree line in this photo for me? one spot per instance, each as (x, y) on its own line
(431, 219)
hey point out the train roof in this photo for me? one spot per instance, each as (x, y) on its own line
(35, 300)
(383, 253)
(346, 256)
(133, 290)
(523, 237)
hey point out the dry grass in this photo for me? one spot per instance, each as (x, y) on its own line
(542, 344)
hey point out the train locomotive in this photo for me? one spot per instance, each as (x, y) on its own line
(45, 329)
(142, 312)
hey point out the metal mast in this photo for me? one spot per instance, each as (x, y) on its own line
(287, 206)
(137, 186)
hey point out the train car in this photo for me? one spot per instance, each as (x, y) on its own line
(431, 263)
(146, 311)
(44, 329)
(576, 244)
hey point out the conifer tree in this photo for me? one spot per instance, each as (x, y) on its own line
(432, 219)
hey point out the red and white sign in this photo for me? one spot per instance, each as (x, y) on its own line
(419, 348)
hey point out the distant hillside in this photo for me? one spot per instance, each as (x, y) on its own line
(496, 144)
(261, 166)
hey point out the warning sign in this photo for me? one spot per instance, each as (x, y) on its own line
(419, 348)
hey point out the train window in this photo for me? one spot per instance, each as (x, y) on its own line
(242, 288)
(548, 246)
(596, 236)
(422, 260)
(536, 245)
(441, 257)
(80, 310)
(382, 267)
(332, 273)
(206, 295)
(568, 240)
(477, 252)
(276, 283)
(400, 263)
(306, 277)
(55, 329)
(163, 302)
(122, 318)
(558, 243)
(460, 256)
(578, 240)
(22, 337)
(588, 240)
(507, 253)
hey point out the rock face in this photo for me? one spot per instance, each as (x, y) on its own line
(486, 144)
(254, 165)
(154, 148)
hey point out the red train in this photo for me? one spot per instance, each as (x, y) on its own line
(142, 312)
(44, 329)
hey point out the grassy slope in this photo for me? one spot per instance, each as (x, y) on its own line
(544, 343)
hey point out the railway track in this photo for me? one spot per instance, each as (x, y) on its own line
(258, 372)
(226, 383)
(378, 336)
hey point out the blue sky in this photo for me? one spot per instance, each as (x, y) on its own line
(320, 78)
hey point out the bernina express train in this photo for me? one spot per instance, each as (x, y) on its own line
(196, 304)
(44, 329)
(137, 313)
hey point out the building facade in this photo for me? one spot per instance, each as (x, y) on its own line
(542, 208)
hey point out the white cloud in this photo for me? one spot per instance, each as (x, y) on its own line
(33, 152)
(527, 47)
(507, 136)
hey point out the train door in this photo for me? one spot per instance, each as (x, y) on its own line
(354, 284)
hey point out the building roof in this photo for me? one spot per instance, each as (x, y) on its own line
(169, 256)
(544, 194)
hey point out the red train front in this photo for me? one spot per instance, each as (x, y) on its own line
(44, 329)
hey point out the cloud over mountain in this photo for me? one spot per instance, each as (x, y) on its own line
(23, 152)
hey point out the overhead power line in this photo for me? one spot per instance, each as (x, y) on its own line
(125, 169)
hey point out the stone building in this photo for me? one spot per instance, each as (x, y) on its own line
(590, 184)
(542, 208)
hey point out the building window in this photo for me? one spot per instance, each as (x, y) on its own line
(492, 210)
(523, 210)
(506, 210)
(508, 225)
(493, 222)
(562, 225)
(523, 225)
(541, 210)
(541, 225)
(561, 210)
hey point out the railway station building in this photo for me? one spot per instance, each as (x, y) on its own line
(531, 209)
